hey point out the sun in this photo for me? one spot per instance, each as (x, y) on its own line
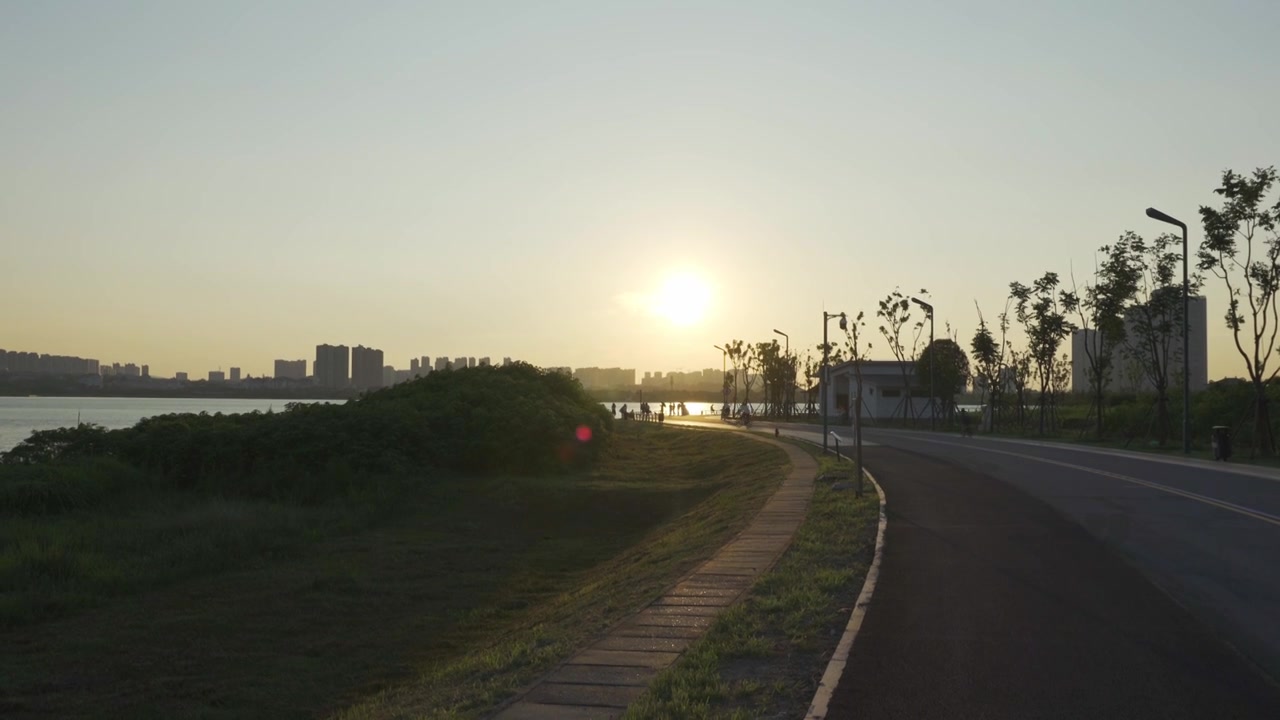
(682, 299)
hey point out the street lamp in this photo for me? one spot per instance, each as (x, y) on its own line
(724, 387)
(786, 392)
(1155, 214)
(844, 324)
(933, 413)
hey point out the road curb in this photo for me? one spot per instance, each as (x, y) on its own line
(840, 658)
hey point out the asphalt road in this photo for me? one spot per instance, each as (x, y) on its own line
(992, 603)
(1208, 533)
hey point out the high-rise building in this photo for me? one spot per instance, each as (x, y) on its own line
(388, 375)
(331, 366)
(442, 362)
(291, 369)
(131, 370)
(471, 362)
(235, 374)
(146, 371)
(366, 368)
(606, 378)
(425, 365)
(217, 376)
(414, 368)
(483, 362)
(506, 361)
(180, 376)
(1128, 374)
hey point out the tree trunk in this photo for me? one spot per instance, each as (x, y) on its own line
(1162, 416)
(1043, 392)
(1099, 408)
(1263, 438)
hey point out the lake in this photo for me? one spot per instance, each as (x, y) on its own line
(694, 408)
(19, 416)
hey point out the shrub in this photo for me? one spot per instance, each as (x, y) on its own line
(515, 419)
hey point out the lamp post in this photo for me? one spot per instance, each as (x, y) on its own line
(786, 392)
(933, 412)
(724, 388)
(844, 323)
(1155, 214)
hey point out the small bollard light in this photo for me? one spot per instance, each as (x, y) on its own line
(776, 433)
(837, 438)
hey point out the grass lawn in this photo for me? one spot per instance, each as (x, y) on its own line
(439, 601)
(763, 658)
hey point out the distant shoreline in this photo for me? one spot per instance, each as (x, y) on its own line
(249, 395)
(59, 386)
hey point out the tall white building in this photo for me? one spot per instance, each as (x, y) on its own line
(1127, 375)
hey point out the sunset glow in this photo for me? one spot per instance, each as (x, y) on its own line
(682, 299)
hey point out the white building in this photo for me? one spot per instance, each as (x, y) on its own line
(1128, 375)
(884, 393)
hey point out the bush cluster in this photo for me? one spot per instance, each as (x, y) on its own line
(514, 419)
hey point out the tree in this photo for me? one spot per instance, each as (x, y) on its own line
(1020, 377)
(950, 370)
(1042, 310)
(1101, 310)
(835, 356)
(1059, 382)
(773, 373)
(735, 350)
(988, 356)
(810, 385)
(1242, 249)
(895, 311)
(1155, 320)
(790, 368)
(857, 353)
(750, 371)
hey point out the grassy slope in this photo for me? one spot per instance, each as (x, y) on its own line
(764, 657)
(466, 592)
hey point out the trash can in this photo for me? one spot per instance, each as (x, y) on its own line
(1221, 443)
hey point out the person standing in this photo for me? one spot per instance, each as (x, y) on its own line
(613, 408)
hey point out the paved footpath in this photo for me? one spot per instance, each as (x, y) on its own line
(600, 681)
(991, 605)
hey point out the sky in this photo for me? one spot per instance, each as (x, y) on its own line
(205, 185)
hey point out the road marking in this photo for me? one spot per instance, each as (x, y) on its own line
(1252, 471)
(1197, 497)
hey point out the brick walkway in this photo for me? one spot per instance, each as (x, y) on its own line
(600, 681)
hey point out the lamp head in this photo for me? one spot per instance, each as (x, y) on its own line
(1155, 214)
(927, 307)
(844, 322)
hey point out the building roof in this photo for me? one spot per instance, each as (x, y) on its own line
(876, 367)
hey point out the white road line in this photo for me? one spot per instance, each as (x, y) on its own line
(1197, 497)
(1253, 471)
